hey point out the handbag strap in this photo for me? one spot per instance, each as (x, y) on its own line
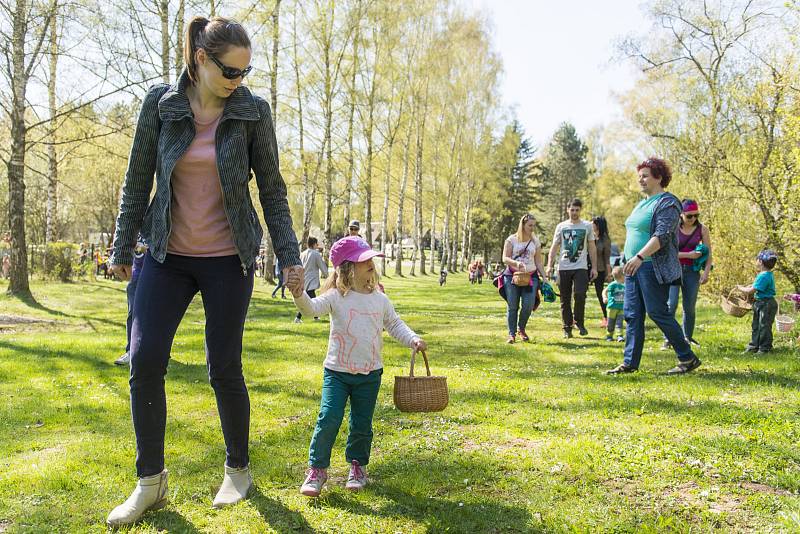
(424, 357)
(524, 250)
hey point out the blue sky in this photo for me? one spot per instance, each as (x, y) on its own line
(558, 59)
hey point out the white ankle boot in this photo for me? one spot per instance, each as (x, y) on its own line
(150, 494)
(235, 486)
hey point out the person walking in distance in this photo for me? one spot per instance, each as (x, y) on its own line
(575, 240)
(313, 264)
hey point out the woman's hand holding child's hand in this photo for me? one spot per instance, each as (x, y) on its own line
(295, 284)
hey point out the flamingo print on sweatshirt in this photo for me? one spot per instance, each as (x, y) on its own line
(357, 322)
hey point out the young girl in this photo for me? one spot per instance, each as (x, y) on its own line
(353, 365)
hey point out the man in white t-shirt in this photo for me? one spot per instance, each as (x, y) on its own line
(575, 237)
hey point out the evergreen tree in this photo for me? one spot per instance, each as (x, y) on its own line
(524, 179)
(565, 176)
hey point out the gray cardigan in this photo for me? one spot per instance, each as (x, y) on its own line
(245, 146)
(664, 225)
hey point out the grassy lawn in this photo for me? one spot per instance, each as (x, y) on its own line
(535, 439)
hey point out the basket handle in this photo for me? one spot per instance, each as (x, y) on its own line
(424, 357)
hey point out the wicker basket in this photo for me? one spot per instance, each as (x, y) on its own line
(736, 305)
(420, 393)
(783, 323)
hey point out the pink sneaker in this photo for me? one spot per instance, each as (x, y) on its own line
(357, 478)
(315, 479)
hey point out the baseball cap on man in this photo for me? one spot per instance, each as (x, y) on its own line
(354, 224)
(352, 248)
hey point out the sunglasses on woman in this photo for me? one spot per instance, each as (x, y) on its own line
(230, 73)
(692, 216)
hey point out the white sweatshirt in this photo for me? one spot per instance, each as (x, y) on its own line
(357, 322)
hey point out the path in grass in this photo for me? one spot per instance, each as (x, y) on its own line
(536, 438)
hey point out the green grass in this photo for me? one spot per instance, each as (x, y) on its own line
(536, 438)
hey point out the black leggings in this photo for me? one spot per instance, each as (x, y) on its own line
(599, 283)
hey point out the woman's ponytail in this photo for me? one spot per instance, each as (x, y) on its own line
(191, 42)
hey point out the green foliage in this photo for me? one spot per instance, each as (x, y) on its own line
(525, 174)
(565, 176)
(536, 438)
(61, 261)
(719, 98)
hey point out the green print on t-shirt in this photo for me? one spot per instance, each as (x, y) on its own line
(572, 243)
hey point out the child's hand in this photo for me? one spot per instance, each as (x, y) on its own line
(419, 345)
(296, 288)
(295, 284)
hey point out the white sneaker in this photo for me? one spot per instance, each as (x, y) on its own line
(236, 485)
(315, 479)
(297, 320)
(125, 359)
(357, 478)
(150, 494)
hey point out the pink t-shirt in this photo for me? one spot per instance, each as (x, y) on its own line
(199, 224)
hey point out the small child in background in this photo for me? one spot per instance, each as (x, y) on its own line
(614, 295)
(353, 365)
(765, 306)
(442, 277)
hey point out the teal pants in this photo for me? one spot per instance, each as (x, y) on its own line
(337, 387)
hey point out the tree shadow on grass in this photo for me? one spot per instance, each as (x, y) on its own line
(436, 513)
(170, 521)
(31, 302)
(278, 516)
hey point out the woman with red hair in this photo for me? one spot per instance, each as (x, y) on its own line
(652, 267)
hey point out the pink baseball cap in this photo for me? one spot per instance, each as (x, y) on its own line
(352, 248)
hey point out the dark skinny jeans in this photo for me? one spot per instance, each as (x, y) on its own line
(162, 296)
(568, 281)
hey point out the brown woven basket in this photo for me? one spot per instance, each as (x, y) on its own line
(420, 393)
(736, 305)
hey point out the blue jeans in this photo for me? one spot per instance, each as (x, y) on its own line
(518, 315)
(280, 285)
(690, 286)
(164, 292)
(363, 393)
(645, 296)
(131, 292)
